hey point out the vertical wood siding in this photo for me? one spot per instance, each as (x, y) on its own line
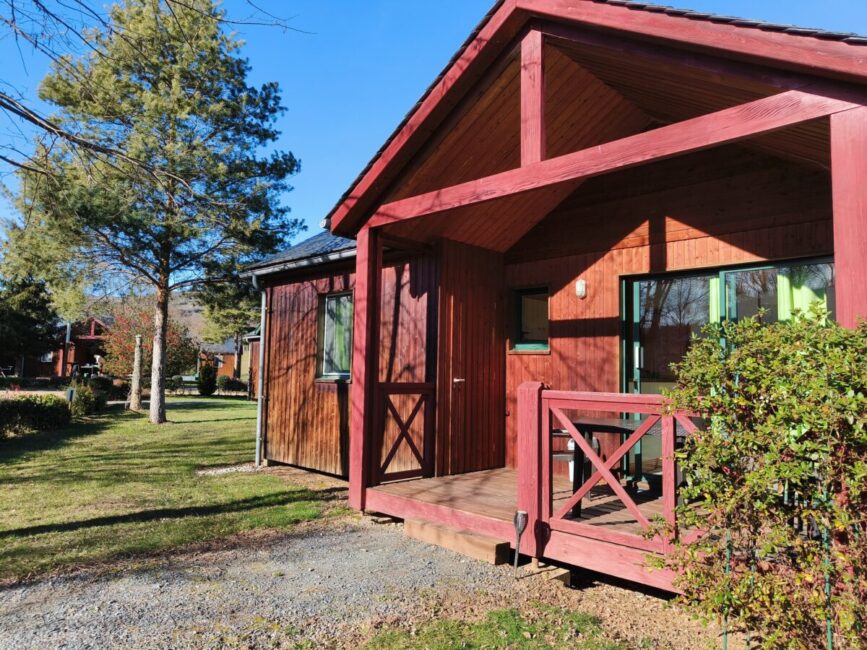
(253, 378)
(308, 420)
(470, 416)
(679, 216)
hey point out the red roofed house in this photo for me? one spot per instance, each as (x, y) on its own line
(585, 185)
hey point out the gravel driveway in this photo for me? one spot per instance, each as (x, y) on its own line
(329, 583)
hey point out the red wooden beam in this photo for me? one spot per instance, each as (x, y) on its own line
(849, 190)
(365, 362)
(669, 480)
(532, 99)
(669, 58)
(530, 465)
(704, 132)
(828, 57)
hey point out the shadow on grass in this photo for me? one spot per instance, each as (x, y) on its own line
(242, 505)
(250, 419)
(191, 403)
(12, 448)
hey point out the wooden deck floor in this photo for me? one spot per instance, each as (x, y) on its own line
(493, 493)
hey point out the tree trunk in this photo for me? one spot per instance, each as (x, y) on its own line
(135, 384)
(236, 370)
(158, 365)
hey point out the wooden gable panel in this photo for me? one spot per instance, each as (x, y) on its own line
(670, 93)
(480, 138)
(580, 110)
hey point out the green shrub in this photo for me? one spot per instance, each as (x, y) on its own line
(777, 480)
(100, 384)
(230, 385)
(207, 381)
(174, 384)
(10, 383)
(86, 400)
(119, 390)
(32, 412)
(236, 386)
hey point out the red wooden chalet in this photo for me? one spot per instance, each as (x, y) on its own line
(584, 186)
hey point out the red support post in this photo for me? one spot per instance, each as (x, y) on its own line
(530, 465)
(669, 482)
(365, 362)
(849, 189)
(532, 99)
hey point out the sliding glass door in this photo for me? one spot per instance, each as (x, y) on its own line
(663, 312)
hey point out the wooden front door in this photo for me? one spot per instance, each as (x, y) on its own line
(471, 360)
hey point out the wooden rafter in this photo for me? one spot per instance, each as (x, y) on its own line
(707, 131)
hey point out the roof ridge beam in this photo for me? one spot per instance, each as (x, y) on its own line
(704, 132)
(670, 57)
(841, 60)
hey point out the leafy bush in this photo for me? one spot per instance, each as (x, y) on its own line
(777, 479)
(207, 381)
(101, 384)
(10, 383)
(174, 383)
(230, 385)
(33, 412)
(119, 389)
(86, 400)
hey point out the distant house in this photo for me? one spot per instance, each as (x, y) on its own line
(584, 187)
(77, 351)
(250, 362)
(222, 355)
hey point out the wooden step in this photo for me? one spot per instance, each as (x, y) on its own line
(479, 547)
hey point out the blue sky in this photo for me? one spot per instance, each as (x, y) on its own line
(362, 65)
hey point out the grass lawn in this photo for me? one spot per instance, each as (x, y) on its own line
(537, 628)
(116, 486)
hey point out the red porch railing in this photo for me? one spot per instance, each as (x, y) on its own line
(405, 414)
(544, 415)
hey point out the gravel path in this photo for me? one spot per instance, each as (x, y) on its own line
(330, 583)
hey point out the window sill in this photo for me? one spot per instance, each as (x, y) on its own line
(333, 380)
(542, 351)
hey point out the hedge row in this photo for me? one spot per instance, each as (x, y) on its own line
(30, 412)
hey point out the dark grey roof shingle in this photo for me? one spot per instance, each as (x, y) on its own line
(308, 250)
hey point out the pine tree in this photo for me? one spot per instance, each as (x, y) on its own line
(166, 85)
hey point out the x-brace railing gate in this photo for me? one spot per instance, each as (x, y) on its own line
(422, 407)
(545, 413)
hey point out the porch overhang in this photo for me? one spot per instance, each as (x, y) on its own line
(730, 125)
(797, 59)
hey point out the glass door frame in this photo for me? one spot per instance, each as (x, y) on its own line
(630, 346)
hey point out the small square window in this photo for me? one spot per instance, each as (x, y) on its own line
(47, 357)
(531, 332)
(334, 354)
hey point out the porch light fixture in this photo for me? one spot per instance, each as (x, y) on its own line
(581, 288)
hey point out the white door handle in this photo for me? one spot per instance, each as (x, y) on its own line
(458, 380)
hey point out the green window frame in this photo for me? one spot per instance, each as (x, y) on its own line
(334, 341)
(792, 285)
(532, 320)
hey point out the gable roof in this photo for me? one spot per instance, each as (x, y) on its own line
(815, 51)
(795, 30)
(320, 248)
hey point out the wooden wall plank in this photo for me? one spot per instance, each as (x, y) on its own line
(714, 209)
(308, 420)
